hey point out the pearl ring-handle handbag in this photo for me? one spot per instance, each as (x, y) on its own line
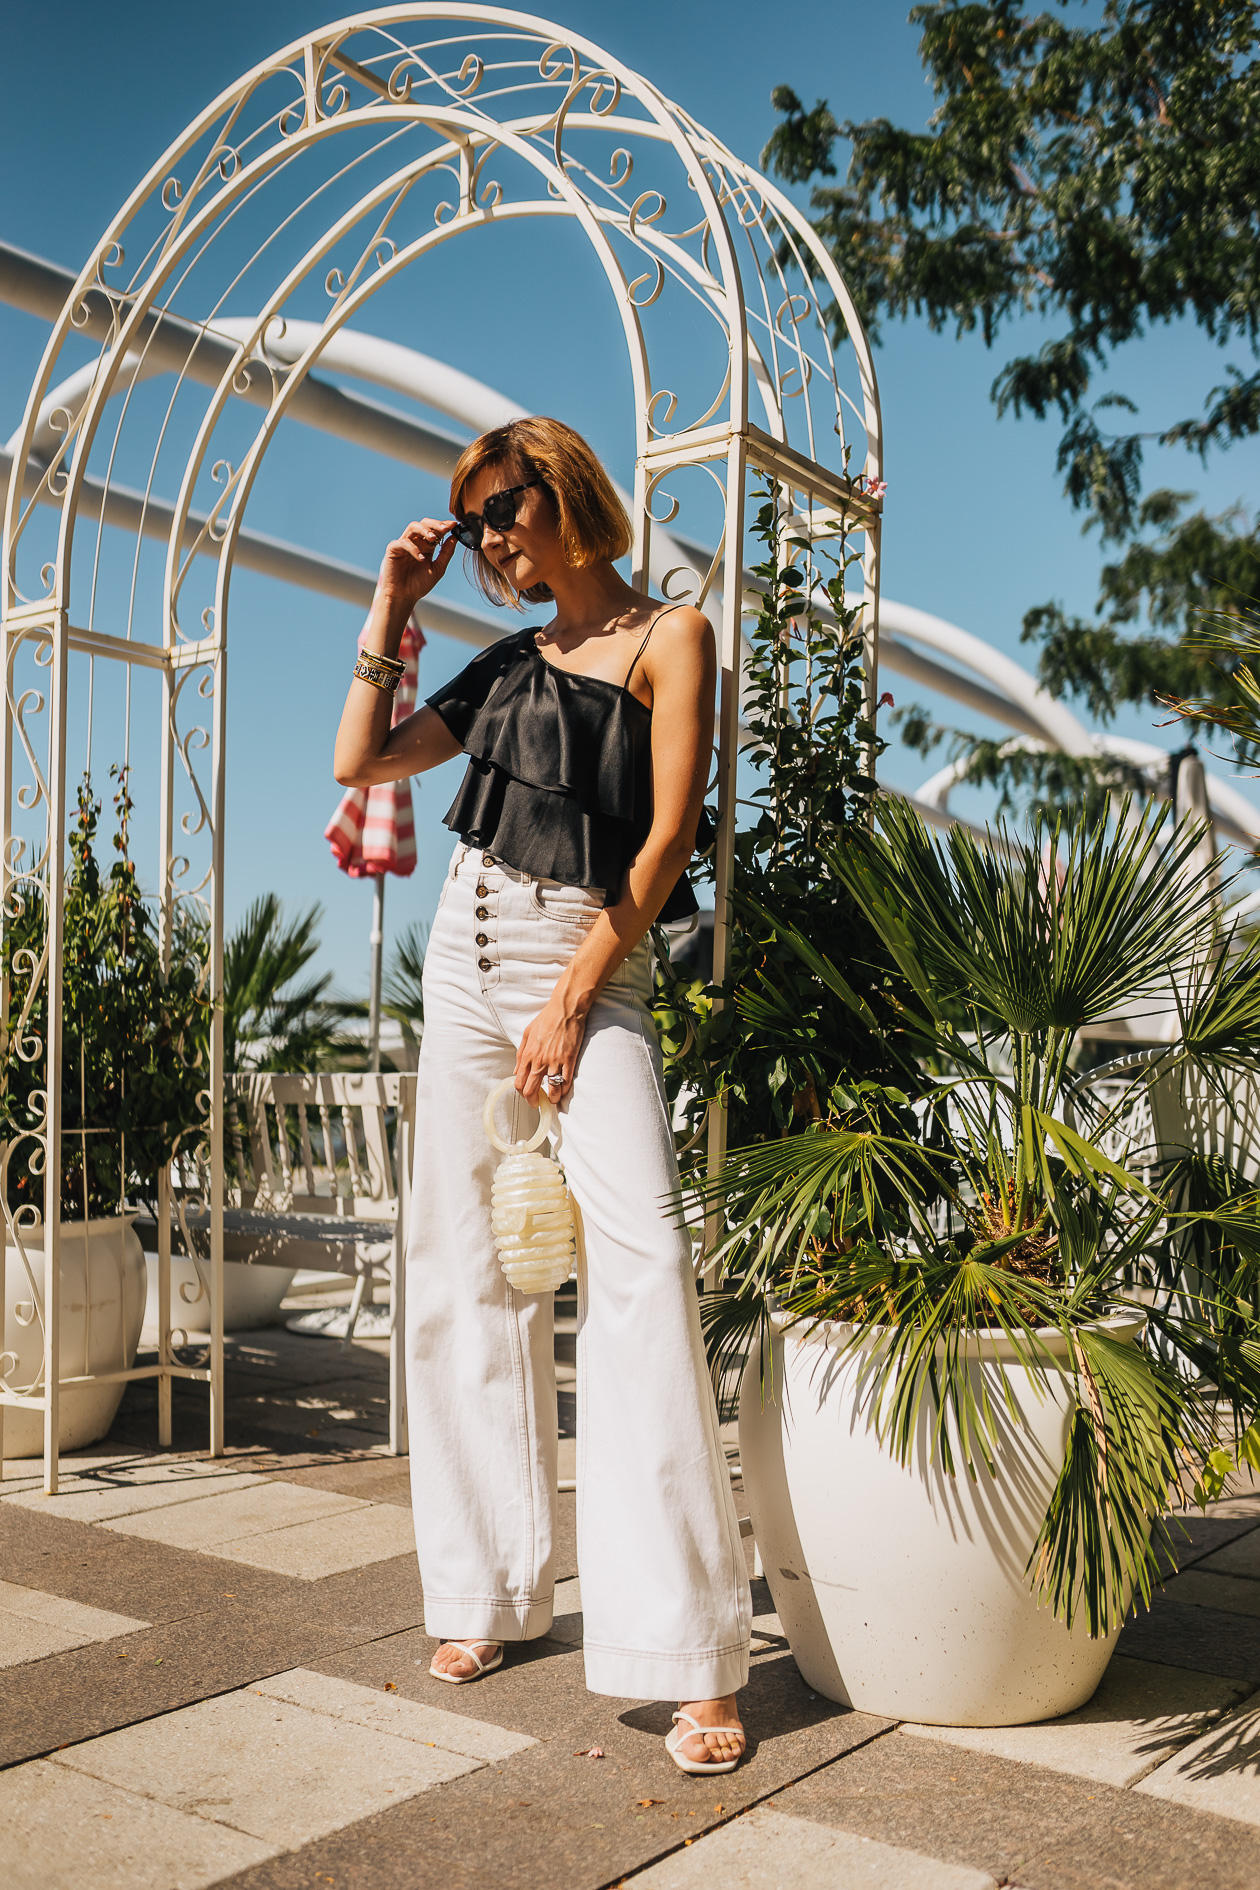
(531, 1210)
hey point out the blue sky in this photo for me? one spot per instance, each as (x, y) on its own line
(976, 528)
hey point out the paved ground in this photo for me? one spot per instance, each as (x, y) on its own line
(216, 1673)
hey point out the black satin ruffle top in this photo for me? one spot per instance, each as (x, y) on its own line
(559, 780)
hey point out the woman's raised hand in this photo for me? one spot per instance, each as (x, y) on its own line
(414, 562)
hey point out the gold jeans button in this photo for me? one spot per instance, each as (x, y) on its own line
(482, 890)
(487, 859)
(483, 964)
(482, 939)
(483, 912)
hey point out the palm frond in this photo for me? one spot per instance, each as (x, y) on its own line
(1133, 1421)
(1052, 934)
(403, 984)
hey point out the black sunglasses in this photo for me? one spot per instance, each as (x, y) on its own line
(499, 515)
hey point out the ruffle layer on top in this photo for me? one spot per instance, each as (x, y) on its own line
(559, 781)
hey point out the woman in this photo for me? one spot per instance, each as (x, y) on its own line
(588, 742)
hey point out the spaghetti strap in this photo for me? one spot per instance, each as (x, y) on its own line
(647, 633)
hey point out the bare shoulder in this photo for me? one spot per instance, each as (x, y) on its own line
(680, 634)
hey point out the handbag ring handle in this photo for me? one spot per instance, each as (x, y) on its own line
(549, 1125)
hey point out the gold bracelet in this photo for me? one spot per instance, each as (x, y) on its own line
(368, 670)
(390, 662)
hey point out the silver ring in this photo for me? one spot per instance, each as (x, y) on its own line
(555, 1076)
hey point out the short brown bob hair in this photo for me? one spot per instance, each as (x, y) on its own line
(592, 519)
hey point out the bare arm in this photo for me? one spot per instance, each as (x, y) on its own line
(681, 665)
(367, 749)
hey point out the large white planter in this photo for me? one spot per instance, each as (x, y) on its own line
(902, 1590)
(102, 1308)
(251, 1295)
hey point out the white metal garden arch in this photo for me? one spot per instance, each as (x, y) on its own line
(304, 188)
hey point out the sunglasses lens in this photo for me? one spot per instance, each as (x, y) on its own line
(468, 534)
(500, 511)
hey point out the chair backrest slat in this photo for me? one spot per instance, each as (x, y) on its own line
(330, 1159)
(308, 1160)
(260, 1137)
(368, 1107)
(282, 1145)
(352, 1152)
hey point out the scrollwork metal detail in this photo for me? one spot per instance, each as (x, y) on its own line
(354, 153)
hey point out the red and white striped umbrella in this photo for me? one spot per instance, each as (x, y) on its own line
(374, 830)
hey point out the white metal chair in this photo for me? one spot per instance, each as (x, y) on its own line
(318, 1181)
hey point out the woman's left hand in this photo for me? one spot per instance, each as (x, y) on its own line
(549, 1052)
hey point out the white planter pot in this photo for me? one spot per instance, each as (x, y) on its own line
(251, 1295)
(102, 1308)
(902, 1590)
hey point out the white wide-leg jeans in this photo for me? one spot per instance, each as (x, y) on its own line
(665, 1599)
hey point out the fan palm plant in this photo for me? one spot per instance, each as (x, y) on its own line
(273, 1017)
(1009, 1199)
(404, 983)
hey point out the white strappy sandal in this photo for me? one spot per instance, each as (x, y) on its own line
(675, 1739)
(470, 1648)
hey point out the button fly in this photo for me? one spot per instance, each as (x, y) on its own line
(483, 912)
(483, 964)
(482, 890)
(482, 939)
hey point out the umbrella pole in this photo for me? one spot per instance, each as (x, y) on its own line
(377, 943)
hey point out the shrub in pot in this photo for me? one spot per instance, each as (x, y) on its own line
(965, 1408)
(774, 1040)
(133, 1074)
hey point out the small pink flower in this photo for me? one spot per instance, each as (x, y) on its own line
(876, 488)
(885, 701)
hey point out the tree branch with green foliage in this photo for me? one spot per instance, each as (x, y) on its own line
(1104, 176)
(773, 1041)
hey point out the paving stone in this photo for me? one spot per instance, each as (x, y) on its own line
(547, 1817)
(566, 1622)
(255, 1510)
(1208, 1640)
(391, 1713)
(318, 1455)
(123, 1575)
(376, 1481)
(1243, 1498)
(533, 1692)
(33, 1624)
(306, 1358)
(1219, 1772)
(63, 1831)
(251, 1624)
(1200, 1587)
(1025, 1825)
(23, 1641)
(1240, 1557)
(280, 1772)
(1140, 1713)
(20, 1471)
(305, 1412)
(310, 1551)
(128, 1497)
(765, 1848)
